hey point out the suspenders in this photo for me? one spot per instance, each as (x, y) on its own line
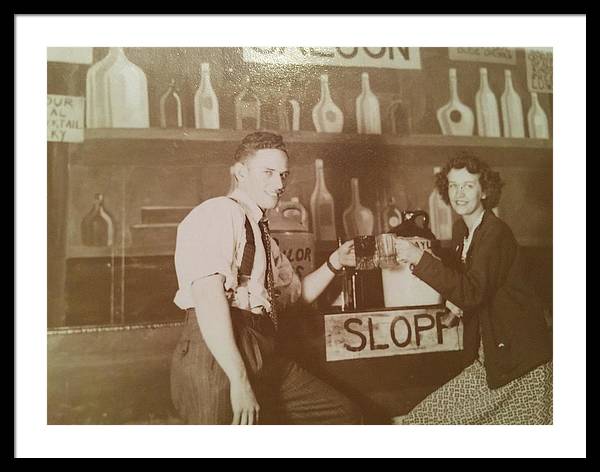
(249, 249)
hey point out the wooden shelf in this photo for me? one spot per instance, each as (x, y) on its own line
(311, 137)
(431, 140)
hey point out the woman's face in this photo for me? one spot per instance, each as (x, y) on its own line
(465, 192)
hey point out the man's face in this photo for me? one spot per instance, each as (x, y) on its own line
(263, 176)
(464, 191)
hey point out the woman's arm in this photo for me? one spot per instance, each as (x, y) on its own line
(468, 289)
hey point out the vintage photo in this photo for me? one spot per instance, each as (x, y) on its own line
(300, 235)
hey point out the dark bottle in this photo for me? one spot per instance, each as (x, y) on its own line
(97, 228)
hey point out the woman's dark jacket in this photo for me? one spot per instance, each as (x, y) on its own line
(494, 291)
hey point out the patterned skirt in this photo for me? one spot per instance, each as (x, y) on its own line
(467, 400)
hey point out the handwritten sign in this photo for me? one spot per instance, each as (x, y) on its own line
(495, 55)
(539, 69)
(65, 119)
(386, 57)
(389, 333)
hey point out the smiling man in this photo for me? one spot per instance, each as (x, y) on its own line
(233, 281)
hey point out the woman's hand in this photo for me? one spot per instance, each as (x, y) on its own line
(407, 252)
(344, 255)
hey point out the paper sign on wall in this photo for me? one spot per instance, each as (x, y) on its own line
(496, 55)
(65, 119)
(387, 57)
(539, 69)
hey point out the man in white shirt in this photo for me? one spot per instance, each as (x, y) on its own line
(233, 280)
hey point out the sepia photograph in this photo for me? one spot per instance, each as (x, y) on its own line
(301, 235)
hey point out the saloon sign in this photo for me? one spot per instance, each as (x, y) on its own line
(384, 57)
(389, 333)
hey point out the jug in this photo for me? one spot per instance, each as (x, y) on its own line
(288, 223)
(400, 287)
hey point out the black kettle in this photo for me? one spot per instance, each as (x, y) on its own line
(411, 228)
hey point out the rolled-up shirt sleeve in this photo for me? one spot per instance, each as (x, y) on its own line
(207, 244)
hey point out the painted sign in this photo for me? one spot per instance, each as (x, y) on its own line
(496, 55)
(389, 333)
(387, 57)
(65, 119)
(539, 69)
(71, 55)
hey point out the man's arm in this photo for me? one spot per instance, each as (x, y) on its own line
(214, 319)
(315, 282)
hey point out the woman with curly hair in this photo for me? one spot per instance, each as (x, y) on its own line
(507, 346)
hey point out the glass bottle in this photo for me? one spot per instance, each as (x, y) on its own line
(488, 122)
(537, 119)
(455, 118)
(327, 116)
(322, 207)
(358, 220)
(97, 227)
(368, 116)
(247, 108)
(348, 286)
(512, 109)
(171, 115)
(118, 93)
(206, 104)
(440, 213)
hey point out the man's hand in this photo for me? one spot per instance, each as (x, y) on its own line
(344, 255)
(243, 403)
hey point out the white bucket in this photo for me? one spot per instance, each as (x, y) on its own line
(401, 288)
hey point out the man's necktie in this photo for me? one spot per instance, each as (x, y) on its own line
(263, 224)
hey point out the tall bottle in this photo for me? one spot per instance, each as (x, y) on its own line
(440, 213)
(512, 109)
(117, 95)
(322, 207)
(206, 104)
(171, 115)
(358, 220)
(368, 117)
(247, 108)
(97, 228)
(537, 119)
(327, 116)
(455, 118)
(488, 121)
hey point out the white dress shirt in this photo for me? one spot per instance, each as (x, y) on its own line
(211, 240)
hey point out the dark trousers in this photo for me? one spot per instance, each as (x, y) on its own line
(286, 393)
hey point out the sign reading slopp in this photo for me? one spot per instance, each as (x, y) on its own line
(389, 333)
(65, 119)
(389, 57)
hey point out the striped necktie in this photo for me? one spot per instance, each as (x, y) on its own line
(263, 224)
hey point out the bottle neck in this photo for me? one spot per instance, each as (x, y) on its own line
(320, 176)
(205, 85)
(508, 82)
(484, 80)
(534, 99)
(325, 95)
(355, 192)
(365, 83)
(453, 88)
